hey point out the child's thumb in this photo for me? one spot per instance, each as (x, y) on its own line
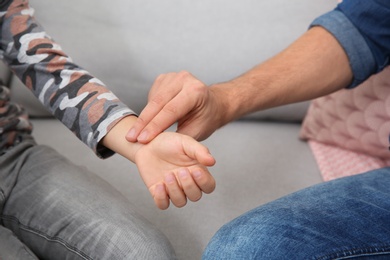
(198, 151)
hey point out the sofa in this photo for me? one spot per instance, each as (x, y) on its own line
(127, 44)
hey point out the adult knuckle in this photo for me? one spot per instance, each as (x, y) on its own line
(196, 87)
(160, 77)
(184, 74)
(199, 89)
(157, 100)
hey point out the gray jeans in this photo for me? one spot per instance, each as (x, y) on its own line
(53, 209)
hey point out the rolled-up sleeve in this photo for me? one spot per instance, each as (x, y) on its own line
(363, 30)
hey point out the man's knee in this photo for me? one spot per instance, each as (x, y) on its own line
(247, 237)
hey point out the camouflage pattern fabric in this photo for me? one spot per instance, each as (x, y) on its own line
(13, 121)
(75, 97)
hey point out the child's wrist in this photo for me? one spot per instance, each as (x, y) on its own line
(116, 141)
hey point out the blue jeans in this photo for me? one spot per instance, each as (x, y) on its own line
(53, 209)
(348, 218)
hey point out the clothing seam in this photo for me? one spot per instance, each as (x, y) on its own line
(356, 252)
(46, 237)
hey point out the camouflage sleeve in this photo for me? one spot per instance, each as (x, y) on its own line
(79, 100)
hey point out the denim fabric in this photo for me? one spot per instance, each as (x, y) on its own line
(348, 218)
(363, 29)
(359, 53)
(62, 211)
(372, 18)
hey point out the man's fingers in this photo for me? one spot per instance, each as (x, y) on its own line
(164, 89)
(174, 110)
(147, 119)
(133, 133)
(172, 96)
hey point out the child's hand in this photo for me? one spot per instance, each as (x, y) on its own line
(174, 167)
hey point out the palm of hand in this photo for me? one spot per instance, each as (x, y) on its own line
(174, 167)
(164, 154)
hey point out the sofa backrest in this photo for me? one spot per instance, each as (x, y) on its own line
(127, 44)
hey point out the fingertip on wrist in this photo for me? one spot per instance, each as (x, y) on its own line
(131, 135)
(144, 137)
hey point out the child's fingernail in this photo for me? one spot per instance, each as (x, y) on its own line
(170, 178)
(197, 174)
(159, 188)
(183, 173)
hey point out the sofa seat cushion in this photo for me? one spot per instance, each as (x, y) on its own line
(257, 162)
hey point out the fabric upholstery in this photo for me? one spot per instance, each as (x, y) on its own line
(356, 120)
(257, 162)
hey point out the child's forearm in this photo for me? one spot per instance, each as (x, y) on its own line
(73, 95)
(115, 139)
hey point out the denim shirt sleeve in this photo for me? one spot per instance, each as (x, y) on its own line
(363, 29)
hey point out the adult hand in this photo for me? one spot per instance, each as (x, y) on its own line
(295, 74)
(178, 97)
(174, 168)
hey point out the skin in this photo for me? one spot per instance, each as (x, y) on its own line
(312, 66)
(173, 166)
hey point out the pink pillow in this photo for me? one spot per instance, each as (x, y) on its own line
(335, 162)
(357, 120)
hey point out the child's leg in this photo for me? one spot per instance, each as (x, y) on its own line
(63, 211)
(345, 218)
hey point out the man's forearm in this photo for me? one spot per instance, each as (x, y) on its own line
(313, 66)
